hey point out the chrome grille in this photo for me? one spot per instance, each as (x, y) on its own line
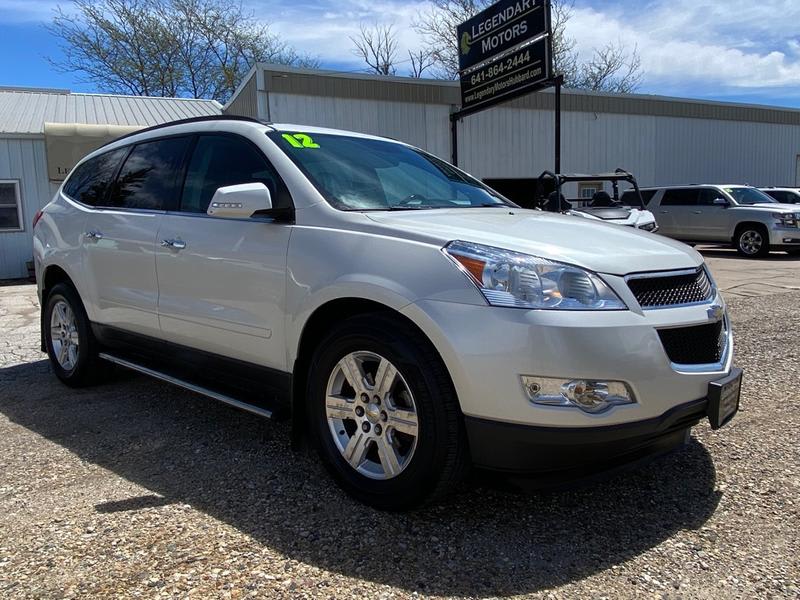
(659, 290)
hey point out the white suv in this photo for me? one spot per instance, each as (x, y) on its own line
(409, 320)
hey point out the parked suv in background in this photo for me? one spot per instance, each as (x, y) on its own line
(407, 318)
(783, 195)
(731, 214)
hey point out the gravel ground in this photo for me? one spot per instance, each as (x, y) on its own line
(138, 489)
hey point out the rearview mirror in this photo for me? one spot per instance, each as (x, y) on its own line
(721, 202)
(240, 201)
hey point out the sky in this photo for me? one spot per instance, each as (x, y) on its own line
(731, 50)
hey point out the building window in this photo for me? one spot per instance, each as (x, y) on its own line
(587, 190)
(10, 206)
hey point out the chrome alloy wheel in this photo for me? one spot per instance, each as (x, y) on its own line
(64, 335)
(371, 415)
(751, 241)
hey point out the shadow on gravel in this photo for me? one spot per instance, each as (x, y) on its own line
(239, 469)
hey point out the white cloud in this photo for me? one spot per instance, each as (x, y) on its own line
(735, 44)
(324, 29)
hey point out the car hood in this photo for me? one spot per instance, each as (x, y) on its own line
(587, 243)
(773, 207)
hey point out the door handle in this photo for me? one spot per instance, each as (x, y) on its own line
(176, 244)
(697, 212)
(664, 212)
(93, 235)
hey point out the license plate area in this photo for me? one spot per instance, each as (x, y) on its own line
(723, 398)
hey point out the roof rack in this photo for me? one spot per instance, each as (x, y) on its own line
(186, 121)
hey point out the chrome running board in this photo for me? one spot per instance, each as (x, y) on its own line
(261, 412)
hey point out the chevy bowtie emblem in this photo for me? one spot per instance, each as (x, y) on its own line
(716, 312)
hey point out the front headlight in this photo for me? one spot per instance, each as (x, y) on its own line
(651, 227)
(787, 219)
(517, 280)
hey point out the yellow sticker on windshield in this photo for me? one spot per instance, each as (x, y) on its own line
(300, 140)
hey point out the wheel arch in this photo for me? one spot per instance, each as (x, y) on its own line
(52, 275)
(741, 225)
(320, 321)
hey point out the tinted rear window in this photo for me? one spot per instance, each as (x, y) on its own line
(784, 196)
(685, 197)
(629, 198)
(89, 182)
(149, 177)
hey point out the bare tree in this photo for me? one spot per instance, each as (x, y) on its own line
(421, 60)
(612, 69)
(377, 46)
(198, 48)
(565, 57)
(437, 27)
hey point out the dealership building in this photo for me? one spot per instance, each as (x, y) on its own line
(44, 132)
(661, 140)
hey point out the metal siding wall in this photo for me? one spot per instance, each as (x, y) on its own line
(246, 103)
(22, 159)
(509, 141)
(700, 151)
(425, 126)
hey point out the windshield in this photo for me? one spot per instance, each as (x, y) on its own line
(746, 195)
(364, 174)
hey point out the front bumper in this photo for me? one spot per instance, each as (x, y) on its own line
(574, 452)
(487, 350)
(784, 236)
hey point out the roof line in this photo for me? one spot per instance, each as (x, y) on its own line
(186, 121)
(278, 70)
(145, 97)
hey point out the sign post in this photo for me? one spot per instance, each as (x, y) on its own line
(505, 52)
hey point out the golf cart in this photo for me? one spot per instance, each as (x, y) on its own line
(628, 209)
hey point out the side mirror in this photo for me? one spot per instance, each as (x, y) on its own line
(240, 201)
(721, 202)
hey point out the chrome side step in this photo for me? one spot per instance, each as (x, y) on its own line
(261, 412)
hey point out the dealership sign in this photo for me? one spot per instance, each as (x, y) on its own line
(499, 28)
(492, 82)
(503, 52)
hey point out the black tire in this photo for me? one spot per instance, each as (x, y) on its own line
(84, 370)
(440, 459)
(751, 241)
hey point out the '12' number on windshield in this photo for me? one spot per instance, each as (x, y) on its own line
(300, 140)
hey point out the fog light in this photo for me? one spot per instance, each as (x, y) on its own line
(589, 395)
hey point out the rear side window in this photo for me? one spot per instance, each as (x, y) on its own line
(684, 197)
(629, 198)
(784, 196)
(222, 160)
(89, 182)
(149, 177)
